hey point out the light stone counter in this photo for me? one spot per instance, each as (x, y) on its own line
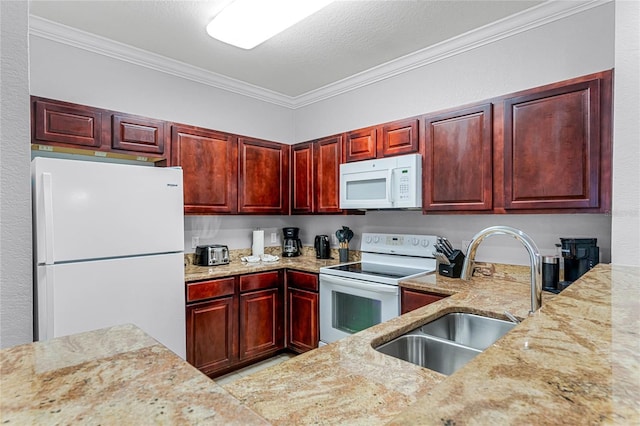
(307, 262)
(113, 376)
(574, 362)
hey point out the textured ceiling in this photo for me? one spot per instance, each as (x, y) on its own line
(343, 39)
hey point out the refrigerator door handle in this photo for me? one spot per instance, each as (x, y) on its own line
(47, 189)
(45, 289)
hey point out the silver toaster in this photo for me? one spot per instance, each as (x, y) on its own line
(212, 255)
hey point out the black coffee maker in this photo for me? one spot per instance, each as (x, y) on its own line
(291, 246)
(579, 255)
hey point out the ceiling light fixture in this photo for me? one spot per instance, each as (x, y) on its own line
(247, 23)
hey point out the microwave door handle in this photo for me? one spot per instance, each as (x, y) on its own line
(389, 186)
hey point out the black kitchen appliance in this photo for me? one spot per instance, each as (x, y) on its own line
(212, 255)
(322, 246)
(291, 246)
(579, 255)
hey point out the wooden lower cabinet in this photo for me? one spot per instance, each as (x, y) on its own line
(261, 323)
(303, 331)
(234, 321)
(212, 334)
(413, 299)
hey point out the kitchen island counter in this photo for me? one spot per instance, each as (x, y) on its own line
(117, 375)
(575, 361)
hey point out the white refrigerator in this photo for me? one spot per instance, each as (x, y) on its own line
(109, 243)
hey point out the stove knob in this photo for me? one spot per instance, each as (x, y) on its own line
(376, 239)
(425, 243)
(368, 239)
(415, 241)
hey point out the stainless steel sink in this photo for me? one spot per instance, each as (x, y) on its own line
(471, 330)
(427, 352)
(447, 343)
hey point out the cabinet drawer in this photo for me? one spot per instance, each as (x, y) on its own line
(259, 281)
(210, 289)
(302, 280)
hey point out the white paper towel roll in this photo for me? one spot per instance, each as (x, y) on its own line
(257, 249)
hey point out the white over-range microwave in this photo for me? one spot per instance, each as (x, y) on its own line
(384, 183)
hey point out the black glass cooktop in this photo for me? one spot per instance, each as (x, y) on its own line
(378, 269)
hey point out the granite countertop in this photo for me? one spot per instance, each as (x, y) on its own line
(306, 262)
(117, 375)
(575, 361)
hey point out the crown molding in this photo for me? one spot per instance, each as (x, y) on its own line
(526, 20)
(537, 16)
(64, 34)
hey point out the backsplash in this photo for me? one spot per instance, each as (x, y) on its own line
(236, 255)
(546, 230)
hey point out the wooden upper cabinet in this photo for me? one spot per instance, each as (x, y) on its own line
(386, 140)
(399, 138)
(328, 155)
(82, 129)
(302, 178)
(457, 168)
(553, 146)
(67, 123)
(361, 144)
(209, 162)
(138, 134)
(263, 184)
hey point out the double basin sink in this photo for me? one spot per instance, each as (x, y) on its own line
(447, 343)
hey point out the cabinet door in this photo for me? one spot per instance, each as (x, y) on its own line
(209, 165)
(302, 319)
(261, 323)
(399, 138)
(137, 134)
(67, 124)
(302, 178)
(212, 330)
(457, 172)
(552, 148)
(413, 299)
(328, 155)
(360, 145)
(264, 177)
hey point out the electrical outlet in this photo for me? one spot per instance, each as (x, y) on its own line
(195, 241)
(334, 240)
(274, 237)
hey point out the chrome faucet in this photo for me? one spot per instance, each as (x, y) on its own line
(534, 258)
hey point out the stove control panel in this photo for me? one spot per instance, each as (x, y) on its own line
(404, 244)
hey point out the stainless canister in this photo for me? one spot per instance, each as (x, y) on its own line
(550, 272)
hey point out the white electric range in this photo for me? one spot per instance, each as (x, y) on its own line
(358, 295)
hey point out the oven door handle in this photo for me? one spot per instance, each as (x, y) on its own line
(363, 285)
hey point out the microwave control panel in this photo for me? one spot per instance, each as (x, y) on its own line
(403, 187)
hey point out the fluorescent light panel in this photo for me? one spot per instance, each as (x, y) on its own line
(247, 23)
